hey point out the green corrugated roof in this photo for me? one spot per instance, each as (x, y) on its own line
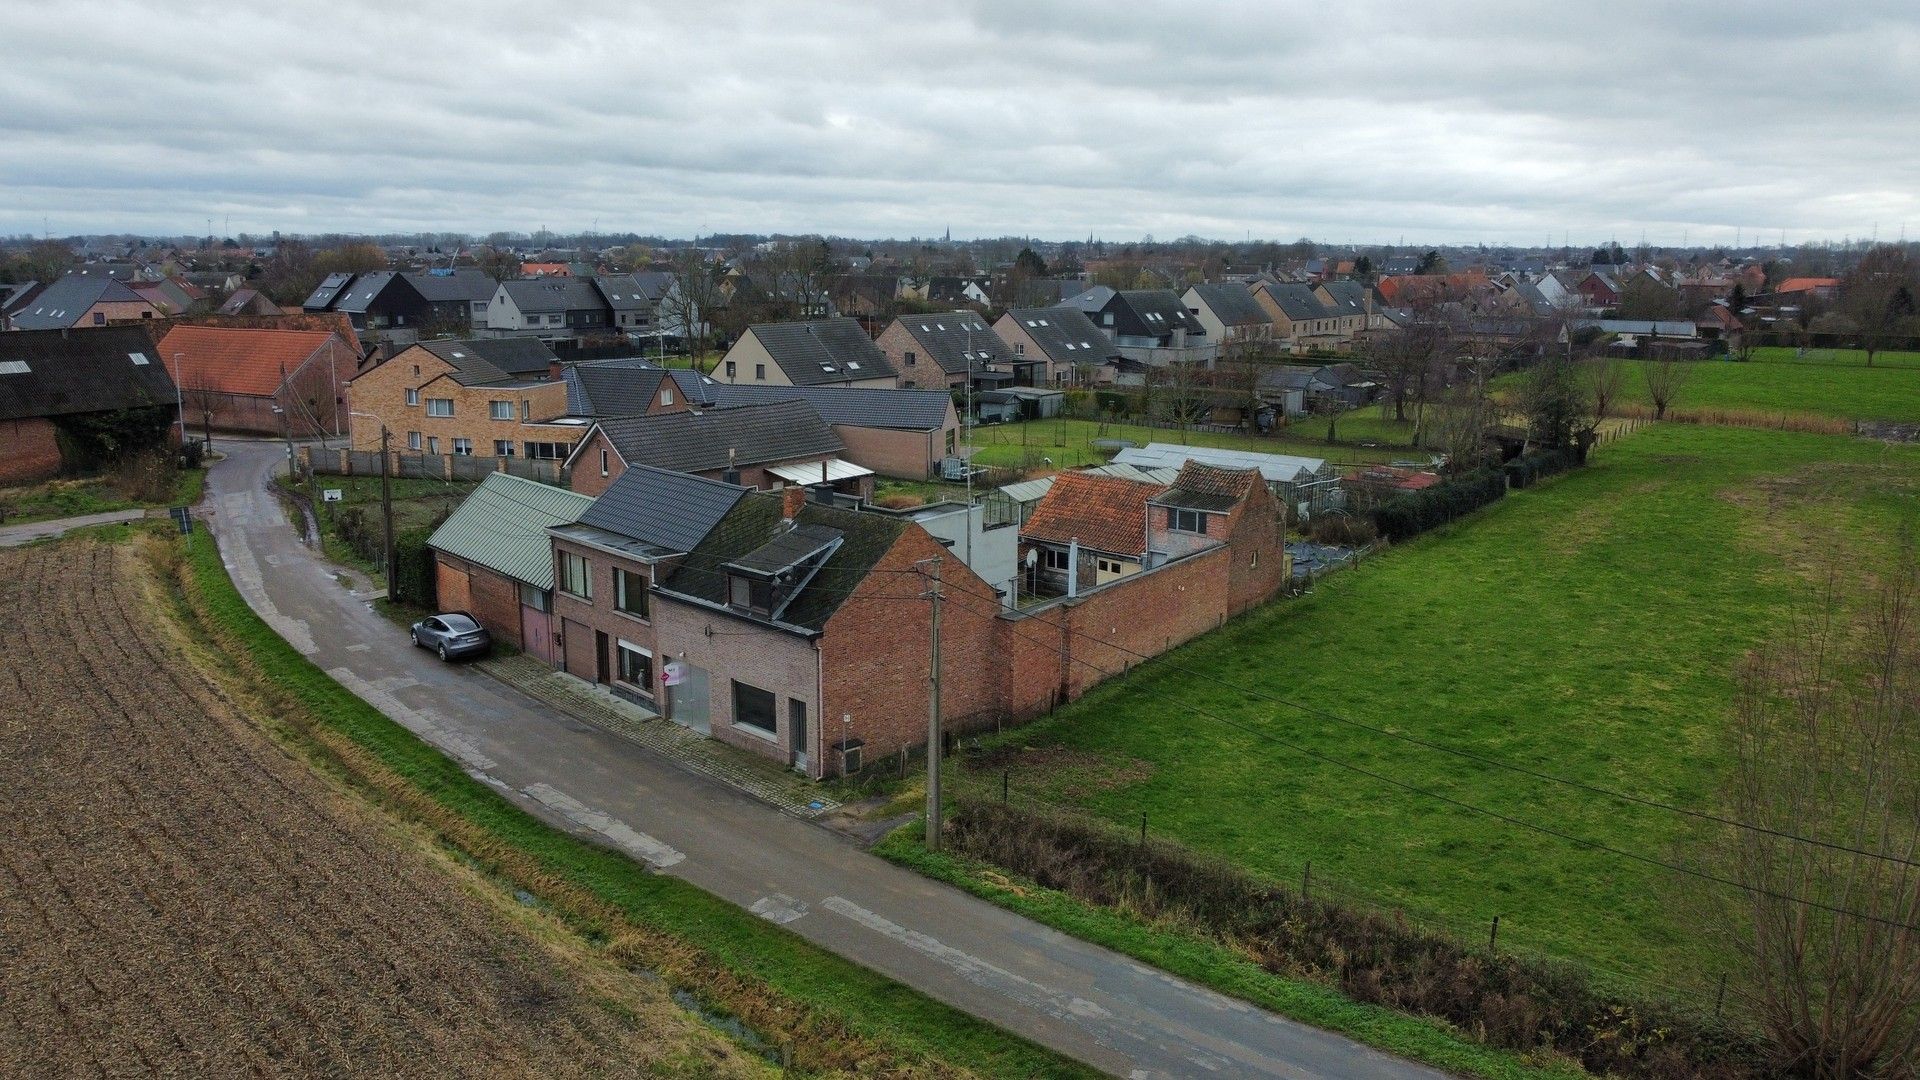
(503, 527)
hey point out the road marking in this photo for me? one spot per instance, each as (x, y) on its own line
(778, 908)
(625, 838)
(362, 647)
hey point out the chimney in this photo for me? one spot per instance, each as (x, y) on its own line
(792, 498)
(555, 369)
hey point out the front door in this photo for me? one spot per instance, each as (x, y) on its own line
(602, 670)
(690, 700)
(797, 732)
(536, 632)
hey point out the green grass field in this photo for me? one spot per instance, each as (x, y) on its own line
(1825, 382)
(1586, 628)
(91, 495)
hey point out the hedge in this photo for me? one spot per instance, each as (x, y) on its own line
(1529, 469)
(1409, 515)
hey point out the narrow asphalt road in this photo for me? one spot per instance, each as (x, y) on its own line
(1102, 1008)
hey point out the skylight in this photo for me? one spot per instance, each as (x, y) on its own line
(853, 365)
(14, 367)
(1043, 322)
(138, 358)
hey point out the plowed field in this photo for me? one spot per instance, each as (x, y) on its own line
(178, 895)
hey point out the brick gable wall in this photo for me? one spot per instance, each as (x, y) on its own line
(29, 450)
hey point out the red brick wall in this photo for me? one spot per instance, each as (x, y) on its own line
(782, 663)
(585, 477)
(600, 613)
(29, 450)
(489, 597)
(923, 373)
(1256, 538)
(451, 583)
(909, 455)
(876, 652)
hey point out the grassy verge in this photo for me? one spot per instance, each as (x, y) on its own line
(1193, 956)
(836, 1015)
(92, 495)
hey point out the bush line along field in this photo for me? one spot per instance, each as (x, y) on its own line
(837, 1016)
(1586, 628)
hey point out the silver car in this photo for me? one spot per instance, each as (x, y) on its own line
(452, 634)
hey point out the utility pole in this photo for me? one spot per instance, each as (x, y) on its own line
(386, 515)
(933, 710)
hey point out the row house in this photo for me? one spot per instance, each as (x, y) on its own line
(1231, 316)
(1056, 346)
(946, 351)
(814, 352)
(759, 446)
(1151, 326)
(472, 397)
(550, 308)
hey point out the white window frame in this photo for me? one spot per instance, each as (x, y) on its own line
(622, 645)
(462, 447)
(413, 440)
(500, 410)
(571, 565)
(413, 395)
(434, 407)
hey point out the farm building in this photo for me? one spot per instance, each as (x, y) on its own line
(53, 380)
(494, 561)
(267, 382)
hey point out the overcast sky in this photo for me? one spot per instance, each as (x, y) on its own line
(1358, 121)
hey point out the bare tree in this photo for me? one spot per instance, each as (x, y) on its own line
(1827, 766)
(1664, 378)
(1607, 379)
(690, 301)
(1464, 415)
(1879, 297)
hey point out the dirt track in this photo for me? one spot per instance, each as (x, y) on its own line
(179, 896)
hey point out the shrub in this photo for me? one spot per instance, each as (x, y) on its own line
(414, 574)
(1507, 999)
(1409, 515)
(1528, 469)
(1341, 530)
(898, 502)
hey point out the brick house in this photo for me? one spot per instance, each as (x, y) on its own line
(81, 298)
(946, 351)
(633, 387)
(493, 559)
(463, 397)
(759, 446)
(1055, 346)
(900, 433)
(606, 564)
(1230, 315)
(818, 352)
(50, 376)
(1087, 530)
(264, 381)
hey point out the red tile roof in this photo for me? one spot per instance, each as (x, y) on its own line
(230, 361)
(1807, 284)
(1105, 513)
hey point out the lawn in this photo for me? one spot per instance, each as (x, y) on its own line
(1066, 444)
(89, 495)
(1587, 628)
(1826, 382)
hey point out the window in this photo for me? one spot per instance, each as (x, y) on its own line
(753, 594)
(503, 448)
(636, 667)
(416, 371)
(463, 447)
(1054, 558)
(499, 410)
(1186, 521)
(576, 575)
(439, 406)
(1019, 348)
(630, 592)
(99, 318)
(950, 434)
(547, 451)
(733, 369)
(536, 599)
(603, 461)
(526, 409)
(1109, 566)
(666, 395)
(760, 372)
(753, 707)
(413, 394)
(413, 440)
(433, 444)
(911, 359)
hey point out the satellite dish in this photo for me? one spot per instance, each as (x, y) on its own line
(1033, 556)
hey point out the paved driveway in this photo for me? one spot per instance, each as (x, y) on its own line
(1083, 1001)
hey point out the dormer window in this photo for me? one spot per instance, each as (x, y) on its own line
(750, 593)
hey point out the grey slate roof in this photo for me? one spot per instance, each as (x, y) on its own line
(1232, 304)
(627, 387)
(1065, 334)
(854, 406)
(1160, 310)
(82, 370)
(62, 303)
(553, 295)
(699, 440)
(669, 512)
(487, 361)
(1298, 301)
(328, 291)
(1349, 297)
(503, 526)
(959, 341)
(823, 351)
(365, 289)
(633, 292)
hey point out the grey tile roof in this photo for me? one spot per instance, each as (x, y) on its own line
(1160, 310)
(854, 406)
(464, 283)
(324, 294)
(627, 387)
(633, 292)
(670, 512)
(704, 440)
(1065, 334)
(553, 295)
(1349, 297)
(503, 526)
(485, 361)
(366, 288)
(62, 303)
(959, 341)
(1298, 301)
(1232, 304)
(822, 351)
(82, 370)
